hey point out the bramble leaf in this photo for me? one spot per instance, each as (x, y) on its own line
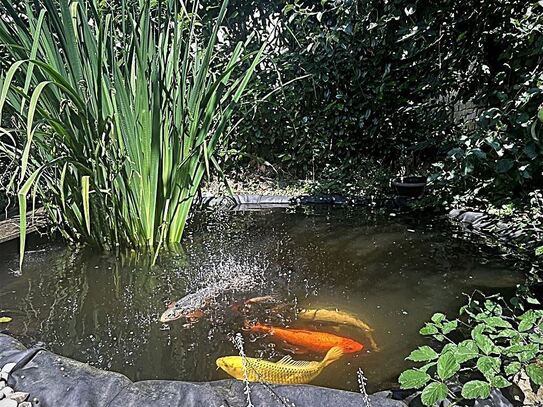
(438, 318)
(423, 354)
(528, 319)
(512, 368)
(483, 342)
(466, 350)
(428, 329)
(447, 365)
(535, 373)
(489, 366)
(476, 389)
(449, 326)
(433, 393)
(497, 322)
(413, 379)
(499, 382)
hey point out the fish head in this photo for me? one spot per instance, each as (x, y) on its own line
(233, 365)
(350, 346)
(171, 314)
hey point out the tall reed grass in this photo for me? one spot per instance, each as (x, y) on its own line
(115, 117)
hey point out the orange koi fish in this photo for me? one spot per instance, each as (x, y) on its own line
(310, 340)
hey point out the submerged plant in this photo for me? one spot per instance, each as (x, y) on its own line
(491, 346)
(115, 117)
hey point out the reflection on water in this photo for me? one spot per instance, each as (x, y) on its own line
(391, 273)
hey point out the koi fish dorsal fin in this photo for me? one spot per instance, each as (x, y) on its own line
(285, 360)
(288, 361)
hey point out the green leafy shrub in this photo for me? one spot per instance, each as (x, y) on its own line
(486, 348)
(386, 81)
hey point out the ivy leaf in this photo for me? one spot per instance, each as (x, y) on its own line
(422, 354)
(489, 366)
(413, 379)
(535, 373)
(433, 393)
(447, 365)
(466, 350)
(476, 389)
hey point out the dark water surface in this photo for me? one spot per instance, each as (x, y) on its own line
(392, 272)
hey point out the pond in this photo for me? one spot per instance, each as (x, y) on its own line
(390, 272)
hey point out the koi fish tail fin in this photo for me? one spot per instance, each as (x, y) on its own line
(333, 354)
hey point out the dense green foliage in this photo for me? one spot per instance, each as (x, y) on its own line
(443, 88)
(488, 347)
(115, 117)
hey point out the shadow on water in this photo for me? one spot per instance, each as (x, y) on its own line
(392, 273)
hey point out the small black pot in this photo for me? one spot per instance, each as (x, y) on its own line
(412, 187)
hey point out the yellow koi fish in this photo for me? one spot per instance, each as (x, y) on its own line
(338, 317)
(285, 371)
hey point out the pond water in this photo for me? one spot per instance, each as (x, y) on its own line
(391, 272)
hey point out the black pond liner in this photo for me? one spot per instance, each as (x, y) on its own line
(255, 201)
(56, 381)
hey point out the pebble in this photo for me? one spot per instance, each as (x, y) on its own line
(18, 396)
(8, 367)
(25, 404)
(8, 403)
(2, 384)
(6, 391)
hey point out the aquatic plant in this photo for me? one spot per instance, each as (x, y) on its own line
(491, 346)
(115, 118)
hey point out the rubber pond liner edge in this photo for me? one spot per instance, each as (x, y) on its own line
(232, 201)
(255, 201)
(54, 380)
